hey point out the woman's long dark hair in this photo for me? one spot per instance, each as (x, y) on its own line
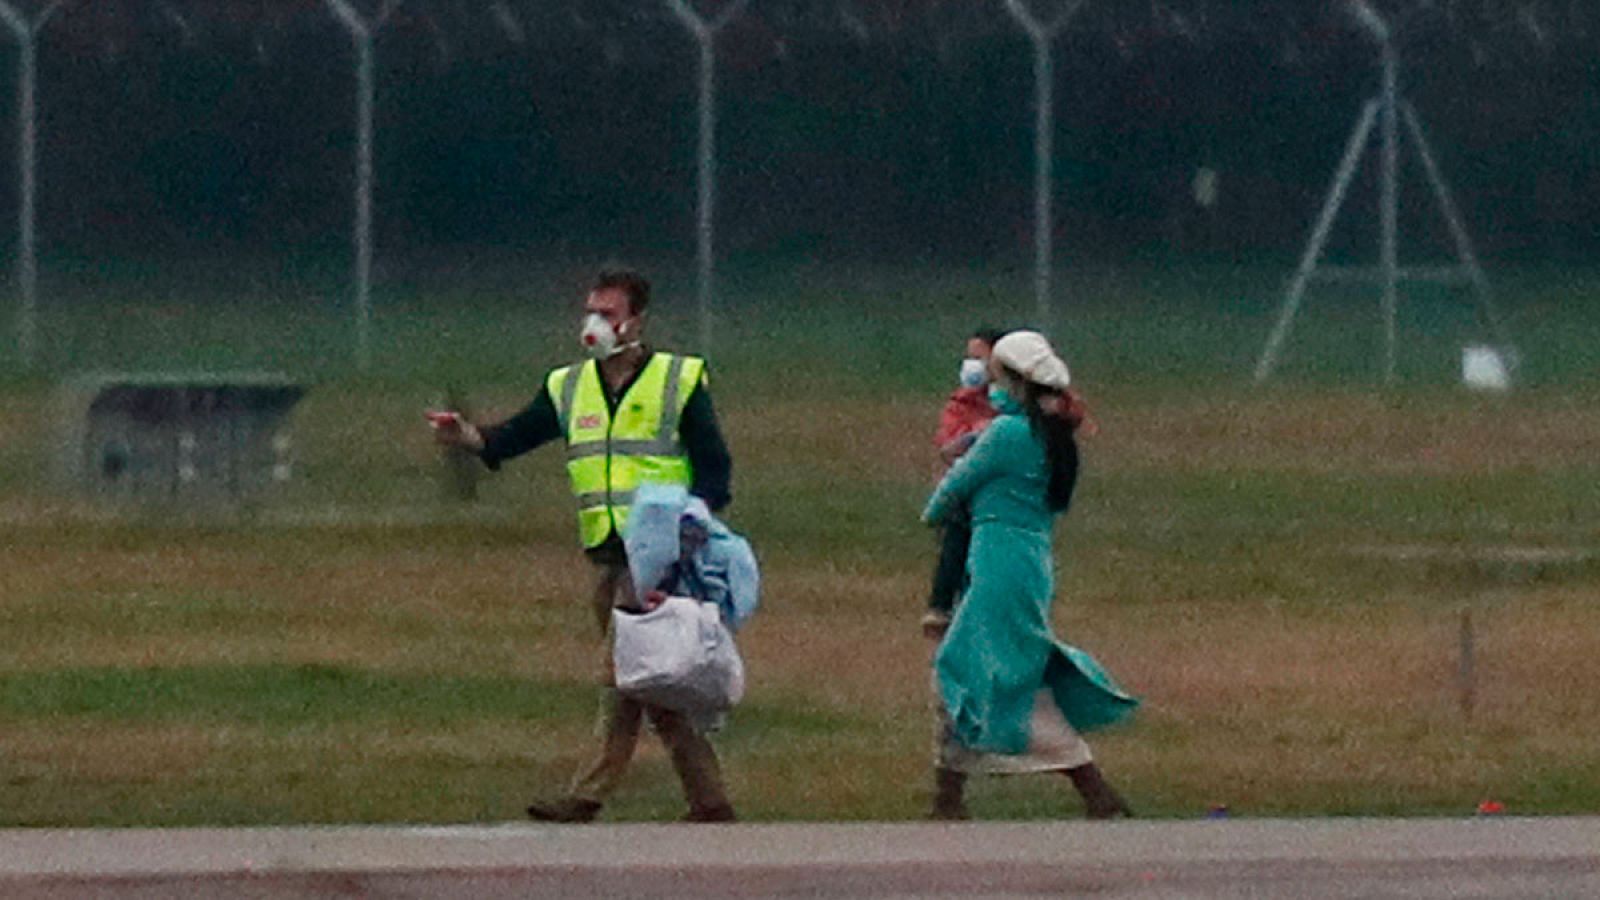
(1060, 443)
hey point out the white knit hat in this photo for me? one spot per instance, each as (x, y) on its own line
(1028, 354)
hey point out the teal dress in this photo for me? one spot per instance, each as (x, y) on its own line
(1000, 649)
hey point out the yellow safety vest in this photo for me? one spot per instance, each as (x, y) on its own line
(608, 459)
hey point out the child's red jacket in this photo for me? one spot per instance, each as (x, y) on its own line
(966, 412)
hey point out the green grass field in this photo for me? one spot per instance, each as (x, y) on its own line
(1280, 572)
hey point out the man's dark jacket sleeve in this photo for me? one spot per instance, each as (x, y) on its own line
(535, 425)
(708, 454)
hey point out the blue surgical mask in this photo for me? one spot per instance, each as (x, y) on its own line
(974, 373)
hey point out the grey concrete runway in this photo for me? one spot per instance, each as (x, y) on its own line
(1346, 858)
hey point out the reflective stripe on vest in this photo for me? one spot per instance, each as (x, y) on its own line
(609, 458)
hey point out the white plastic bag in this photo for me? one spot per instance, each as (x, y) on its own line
(679, 656)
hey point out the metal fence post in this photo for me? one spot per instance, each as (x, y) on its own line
(361, 34)
(705, 34)
(1043, 33)
(27, 35)
(1389, 207)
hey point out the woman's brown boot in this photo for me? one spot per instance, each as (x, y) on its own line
(949, 800)
(1100, 801)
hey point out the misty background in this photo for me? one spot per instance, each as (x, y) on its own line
(899, 130)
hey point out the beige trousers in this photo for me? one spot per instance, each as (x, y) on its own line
(620, 719)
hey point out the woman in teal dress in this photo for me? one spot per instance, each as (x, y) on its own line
(1014, 699)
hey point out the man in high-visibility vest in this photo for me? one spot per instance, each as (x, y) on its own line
(630, 415)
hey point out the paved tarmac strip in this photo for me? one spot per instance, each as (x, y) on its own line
(1501, 857)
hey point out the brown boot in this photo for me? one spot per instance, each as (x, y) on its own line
(1100, 801)
(949, 802)
(710, 814)
(572, 810)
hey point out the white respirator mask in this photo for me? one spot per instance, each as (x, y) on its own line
(974, 372)
(599, 339)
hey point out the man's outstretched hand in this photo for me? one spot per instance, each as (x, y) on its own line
(453, 431)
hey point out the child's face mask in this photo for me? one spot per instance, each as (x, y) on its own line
(974, 373)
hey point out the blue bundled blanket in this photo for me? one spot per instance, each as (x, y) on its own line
(722, 571)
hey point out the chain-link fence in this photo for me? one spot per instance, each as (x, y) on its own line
(333, 160)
